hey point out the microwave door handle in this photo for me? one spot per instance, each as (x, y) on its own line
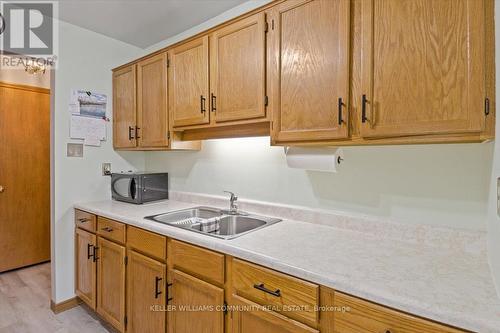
(113, 182)
(133, 188)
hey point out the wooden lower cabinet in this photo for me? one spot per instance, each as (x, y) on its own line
(85, 268)
(125, 281)
(251, 317)
(146, 283)
(198, 305)
(111, 282)
(367, 317)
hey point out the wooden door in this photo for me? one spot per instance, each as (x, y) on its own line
(188, 82)
(85, 267)
(24, 176)
(152, 113)
(198, 305)
(238, 70)
(252, 317)
(111, 282)
(422, 67)
(124, 107)
(309, 64)
(146, 294)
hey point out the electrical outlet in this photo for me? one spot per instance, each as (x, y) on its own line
(106, 169)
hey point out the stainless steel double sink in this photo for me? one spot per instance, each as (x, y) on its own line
(214, 222)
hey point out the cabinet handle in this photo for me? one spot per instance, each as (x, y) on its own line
(214, 103)
(261, 287)
(341, 104)
(363, 109)
(130, 130)
(83, 220)
(137, 132)
(90, 255)
(203, 108)
(157, 287)
(95, 253)
(169, 298)
(107, 229)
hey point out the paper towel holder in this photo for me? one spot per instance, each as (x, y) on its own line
(339, 158)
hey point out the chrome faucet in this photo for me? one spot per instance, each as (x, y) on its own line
(233, 206)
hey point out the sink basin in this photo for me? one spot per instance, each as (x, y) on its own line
(219, 224)
(179, 216)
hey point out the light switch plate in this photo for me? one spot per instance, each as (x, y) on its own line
(106, 169)
(74, 150)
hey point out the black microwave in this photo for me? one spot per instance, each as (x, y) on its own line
(139, 188)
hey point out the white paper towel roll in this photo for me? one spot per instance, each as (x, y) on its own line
(317, 159)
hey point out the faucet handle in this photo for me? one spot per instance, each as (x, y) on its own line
(233, 196)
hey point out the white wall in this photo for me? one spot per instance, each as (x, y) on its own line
(493, 218)
(18, 75)
(443, 185)
(85, 60)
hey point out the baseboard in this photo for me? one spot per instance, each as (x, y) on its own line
(65, 305)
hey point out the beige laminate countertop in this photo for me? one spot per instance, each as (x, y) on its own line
(449, 286)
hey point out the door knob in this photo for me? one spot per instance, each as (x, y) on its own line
(2, 189)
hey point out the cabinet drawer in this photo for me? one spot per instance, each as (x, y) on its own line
(293, 297)
(147, 242)
(110, 229)
(84, 220)
(367, 317)
(202, 263)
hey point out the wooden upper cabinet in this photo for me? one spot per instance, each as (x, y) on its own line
(124, 107)
(152, 113)
(238, 70)
(309, 50)
(85, 268)
(189, 83)
(146, 288)
(422, 67)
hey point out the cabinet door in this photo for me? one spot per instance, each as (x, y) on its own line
(188, 82)
(111, 282)
(85, 267)
(198, 305)
(252, 317)
(238, 70)
(145, 294)
(124, 107)
(310, 70)
(422, 67)
(152, 114)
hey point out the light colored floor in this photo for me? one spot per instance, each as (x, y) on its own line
(25, 305)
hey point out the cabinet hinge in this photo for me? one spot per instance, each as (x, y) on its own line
(486, 106)
(225, 308)
(272, 24)
(168, 135)
(168, 62)
(266, 28)
(266, 101)
(125, 321)
(126, 260)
